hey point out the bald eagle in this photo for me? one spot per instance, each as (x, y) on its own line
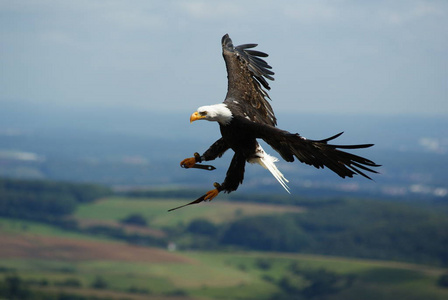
(246, 115)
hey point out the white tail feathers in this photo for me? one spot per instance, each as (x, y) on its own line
(268, 162)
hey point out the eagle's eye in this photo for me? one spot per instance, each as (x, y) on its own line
(203, 113)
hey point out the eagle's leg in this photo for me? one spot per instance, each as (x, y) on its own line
(210, 195)
(216, 150)
(191, 161)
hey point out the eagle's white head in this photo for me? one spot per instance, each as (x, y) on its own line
(217, 112)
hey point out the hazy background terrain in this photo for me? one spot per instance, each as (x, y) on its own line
(131, 148)
(95, 98)
(113, 83)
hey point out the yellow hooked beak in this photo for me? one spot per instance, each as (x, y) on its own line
(196, 116)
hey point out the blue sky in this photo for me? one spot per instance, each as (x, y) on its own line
(333, 57)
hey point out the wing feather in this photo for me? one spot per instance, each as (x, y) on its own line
(317, 153)
(247, 75)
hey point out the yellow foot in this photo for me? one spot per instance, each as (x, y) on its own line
(211, 194)
(188, 162)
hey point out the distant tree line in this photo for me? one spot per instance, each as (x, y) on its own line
(121, 234)
(354, 228)
(265, 198)
(54, 202)
(332, 226)
(45, 200)
(14, 287)
(320, 283)
(379, 229)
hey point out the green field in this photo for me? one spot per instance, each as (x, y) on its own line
(138, 272)
(156, 210)
(14, 226)
(235, 276)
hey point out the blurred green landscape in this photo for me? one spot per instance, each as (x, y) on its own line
(84, 241)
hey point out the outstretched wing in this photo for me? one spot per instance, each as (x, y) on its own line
(317, 153)
(247, 74)
(320, 154)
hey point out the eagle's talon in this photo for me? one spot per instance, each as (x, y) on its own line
(188, 162)
(211, 194)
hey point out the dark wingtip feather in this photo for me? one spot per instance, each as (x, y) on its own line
(225, 37)
(360, 146)
(226, 42)
(259, 68)
(257, 53)
(319, 153)
(361, 173)
(328, 139)
(247, 46)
